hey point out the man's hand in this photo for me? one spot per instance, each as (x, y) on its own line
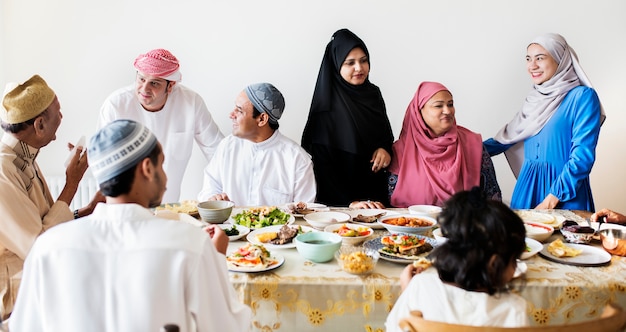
(219, 238)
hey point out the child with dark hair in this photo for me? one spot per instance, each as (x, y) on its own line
(472, 268)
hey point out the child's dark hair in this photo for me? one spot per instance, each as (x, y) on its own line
(477, 229)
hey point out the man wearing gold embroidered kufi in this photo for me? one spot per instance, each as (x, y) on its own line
(30, 116)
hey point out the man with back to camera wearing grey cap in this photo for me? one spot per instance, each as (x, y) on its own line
(256, 164)
(30, 117)
(122, 268)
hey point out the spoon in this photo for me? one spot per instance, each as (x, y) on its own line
(601, 220)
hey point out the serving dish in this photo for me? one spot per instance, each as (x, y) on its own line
(370, 213)
(314, 207)
(589, 256)
(428, 221)
(532, 248)
(320, 220)
(278, 262)
(252, 236)
(543, 217)
(538, 231)
(376, 244)
(425, 210)
(350, 233)
(243, 231)
(356, 260)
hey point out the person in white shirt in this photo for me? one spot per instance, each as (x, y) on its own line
(472, 268)
(30, 118)
(173, 112)
(257, 165)
(122, 268)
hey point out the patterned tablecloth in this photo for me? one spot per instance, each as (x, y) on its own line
(305, 296)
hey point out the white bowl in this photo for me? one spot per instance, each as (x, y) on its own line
(215, 212)
(431, 222)
(538, 231)
(425, 210)
(439, 236)
(320, 220)
(352, 240)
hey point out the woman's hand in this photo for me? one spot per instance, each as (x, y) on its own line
(366, 205)
(549, 202)
(380, 159)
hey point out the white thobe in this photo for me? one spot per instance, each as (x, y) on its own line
(123, 269)
(446, 303)
(273, 172)
(183, 119)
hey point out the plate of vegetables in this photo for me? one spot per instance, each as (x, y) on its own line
(262, 216)
(234, 232)
(350, 233)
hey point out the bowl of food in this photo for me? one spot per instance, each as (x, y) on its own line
(215, 212)
(407, 223)
(350, 233)
(439, 236)
(538, 231)
(356, 260)
(320, 220)
(614, 241)
(425, 210)
(318, 247)
(575, 233)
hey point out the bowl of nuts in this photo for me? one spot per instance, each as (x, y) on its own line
(355, 260)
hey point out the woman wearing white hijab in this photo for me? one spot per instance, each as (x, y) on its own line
(550, 143)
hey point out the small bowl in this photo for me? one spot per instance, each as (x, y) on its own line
(577, 234)
(215, 212)
(538, 231)
(425, 210)
(439, 236)
(614, 241)
(318, 247)
(357, 260)
(350, 232)
(431, 222)
(320, 220)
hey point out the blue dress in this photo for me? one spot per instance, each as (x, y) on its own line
(559, 158)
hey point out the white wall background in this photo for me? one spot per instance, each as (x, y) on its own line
(85, 49)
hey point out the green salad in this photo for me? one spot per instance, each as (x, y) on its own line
(261, 217)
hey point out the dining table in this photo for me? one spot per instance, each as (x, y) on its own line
(302, 295)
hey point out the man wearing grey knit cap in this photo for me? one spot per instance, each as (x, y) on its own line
(123, 261)
(256, 164)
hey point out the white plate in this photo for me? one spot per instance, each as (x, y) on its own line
(590, 256)
(541, 217)
(520, 269)
(243, 231)
(252, 236)
(316, 207)
(278, 258)
(535, 247)
(376, 245)
(370, 212)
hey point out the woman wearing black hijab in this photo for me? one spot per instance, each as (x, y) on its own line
(348, 133)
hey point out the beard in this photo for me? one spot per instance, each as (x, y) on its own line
(158, 195)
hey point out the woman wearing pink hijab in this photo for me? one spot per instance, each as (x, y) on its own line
(434, 158)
